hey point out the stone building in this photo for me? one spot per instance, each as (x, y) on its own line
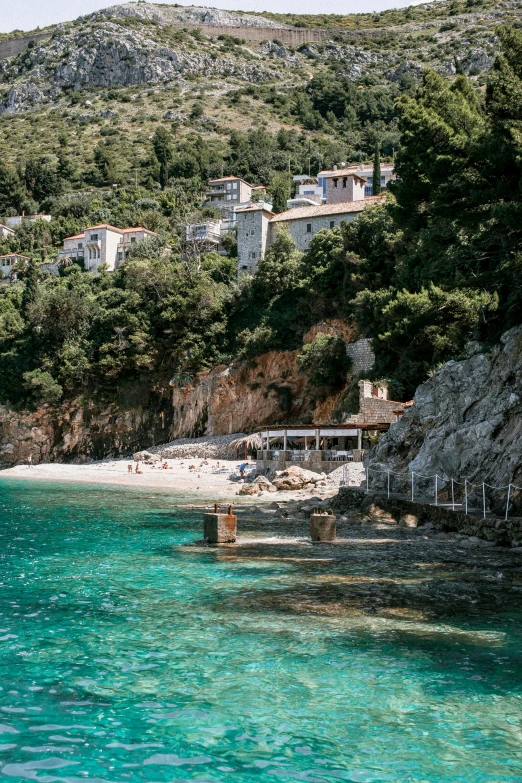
(257, 227)
(362, 356)
(341, 187)
(375, 409)
(252, 237)
(102, 244)
(365, 171)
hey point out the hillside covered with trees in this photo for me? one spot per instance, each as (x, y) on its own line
(436, 265)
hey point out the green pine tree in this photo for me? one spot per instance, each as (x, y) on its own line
(376, 183)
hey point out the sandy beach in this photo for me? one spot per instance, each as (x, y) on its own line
(178, 478)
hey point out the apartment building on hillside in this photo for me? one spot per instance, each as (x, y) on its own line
(229, 191)
(102, 244)
(364, 171)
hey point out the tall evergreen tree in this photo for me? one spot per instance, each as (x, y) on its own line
(30, 293)
(163, 150)
(376, 182)
(280, 188)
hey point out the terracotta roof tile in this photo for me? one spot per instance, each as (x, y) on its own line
(323, 210)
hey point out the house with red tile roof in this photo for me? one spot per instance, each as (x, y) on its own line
(103, 244)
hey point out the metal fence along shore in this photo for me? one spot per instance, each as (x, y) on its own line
(442, 490)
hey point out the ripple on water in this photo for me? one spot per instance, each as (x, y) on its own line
(125, 656)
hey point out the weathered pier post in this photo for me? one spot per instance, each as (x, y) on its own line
(322, 526)
(220, 528)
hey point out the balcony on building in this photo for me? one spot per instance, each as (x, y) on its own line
(209, 231)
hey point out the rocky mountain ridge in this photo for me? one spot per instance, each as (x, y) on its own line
(144, 44)
(179, 15)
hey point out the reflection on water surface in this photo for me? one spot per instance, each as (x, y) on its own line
(125, 655)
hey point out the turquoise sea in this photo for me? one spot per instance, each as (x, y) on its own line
(126, 656)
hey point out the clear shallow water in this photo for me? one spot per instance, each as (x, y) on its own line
(124, 656)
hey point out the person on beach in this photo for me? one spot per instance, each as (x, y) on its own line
(129, 468)
(138, 468)
(30, 461)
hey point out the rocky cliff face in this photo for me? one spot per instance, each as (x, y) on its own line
(466, 421)
(228, 400)
(79, 433)
(269, 390)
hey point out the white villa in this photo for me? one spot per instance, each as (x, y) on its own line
(9, 266)
(102, 244)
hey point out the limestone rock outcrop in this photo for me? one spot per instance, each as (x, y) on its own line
(76, 432)
(295, 477)
(165, 14)
(105, 55)
(466, 421)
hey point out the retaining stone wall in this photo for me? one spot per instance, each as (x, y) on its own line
(16, 45)
(362, 356)
(501, 532)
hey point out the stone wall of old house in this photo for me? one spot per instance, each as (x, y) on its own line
(298, 228)
(344, 188)
(375, 407)
(252, 232)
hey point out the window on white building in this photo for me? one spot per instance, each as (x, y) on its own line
(133, 239)
(253, 254)
(80, 245)
(308, 228)
(332, 223)
(94, 237)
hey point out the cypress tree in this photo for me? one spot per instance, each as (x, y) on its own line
(30, 293)
(376, 185)
(163, 151)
